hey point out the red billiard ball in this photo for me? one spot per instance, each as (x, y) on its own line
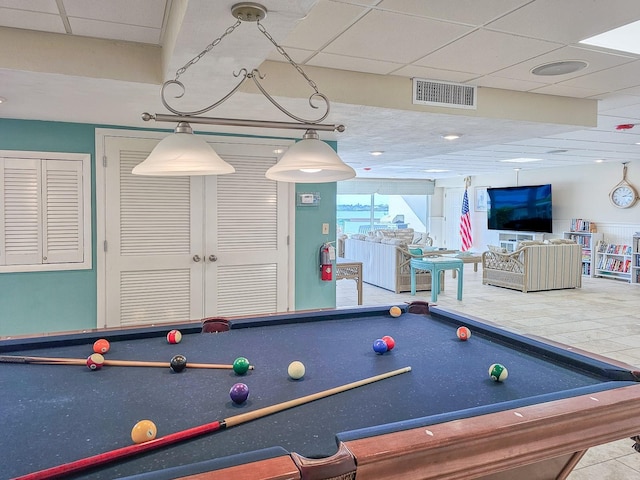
(174, 336)
(239, 393)
(101, 346)
(463, 333)
(95, 361)
(389, 341)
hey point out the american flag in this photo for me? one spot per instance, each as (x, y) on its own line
(465, 224)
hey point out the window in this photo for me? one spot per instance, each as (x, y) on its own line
(369, 204)
(45, 211)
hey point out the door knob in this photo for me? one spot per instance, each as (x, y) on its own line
(213, 258)
(196, 258)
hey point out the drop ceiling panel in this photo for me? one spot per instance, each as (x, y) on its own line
(143, 13)
(353, 63)
(615, 78)
(596, 61)
(379, 36)
(28, 20)
(471, 12)
(575, 20)
(495, 81)
(326, 21)
(115, 31)
(46, 6)
(484, 52)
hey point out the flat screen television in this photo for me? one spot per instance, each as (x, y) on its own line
(520, 209)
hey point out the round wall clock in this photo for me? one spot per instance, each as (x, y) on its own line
(623, 195)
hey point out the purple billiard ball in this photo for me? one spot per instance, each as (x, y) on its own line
(380, 346)
(239, 393)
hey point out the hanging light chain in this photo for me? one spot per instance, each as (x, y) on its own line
(208, 48)
(282, 52)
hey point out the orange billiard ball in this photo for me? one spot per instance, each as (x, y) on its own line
(463, 333)
(101, 346)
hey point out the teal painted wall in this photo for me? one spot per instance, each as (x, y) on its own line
(37, 302)
(311, 292)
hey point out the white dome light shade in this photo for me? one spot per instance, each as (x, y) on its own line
(181, 154)
(310, 161)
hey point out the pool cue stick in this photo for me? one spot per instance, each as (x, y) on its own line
(119, 453)
(113, 363)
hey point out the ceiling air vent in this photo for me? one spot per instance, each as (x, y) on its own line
(443, 94)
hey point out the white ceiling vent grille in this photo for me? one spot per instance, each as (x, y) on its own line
(443, 94)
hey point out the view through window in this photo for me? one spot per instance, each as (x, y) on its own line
(363, 213)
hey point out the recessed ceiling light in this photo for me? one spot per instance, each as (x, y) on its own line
(600, 160)
(624, 38)
(435, 170)
(559, 68)
(521, 160)
(376, 153)
(2, 99)
(451, 136)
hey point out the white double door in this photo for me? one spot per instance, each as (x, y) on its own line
(186, 248)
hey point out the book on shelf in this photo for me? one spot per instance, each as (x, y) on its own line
(582, 225)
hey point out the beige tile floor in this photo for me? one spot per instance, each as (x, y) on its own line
(601, 317)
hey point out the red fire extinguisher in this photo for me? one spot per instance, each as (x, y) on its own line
(326, 265)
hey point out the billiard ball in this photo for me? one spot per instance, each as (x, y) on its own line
(143, 431)
(296, 370)
(174, 336)
(498, 372)
(101, 346)
(95, 361)
(379, 346)
(178, 363)
(389, 341)
(239, 393)
(463, 333)
(240, 365)
(395, 311)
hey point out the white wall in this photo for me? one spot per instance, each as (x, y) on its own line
(577, 192)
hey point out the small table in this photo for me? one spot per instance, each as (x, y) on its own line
(468, 258)
(435, 265)
(350, 269)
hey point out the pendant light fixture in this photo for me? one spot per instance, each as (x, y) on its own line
(309, 160)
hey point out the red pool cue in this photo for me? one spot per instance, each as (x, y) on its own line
(119, 453)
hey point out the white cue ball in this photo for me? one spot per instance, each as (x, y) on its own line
(296, 370)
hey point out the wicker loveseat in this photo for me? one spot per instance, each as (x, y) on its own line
(534, 266)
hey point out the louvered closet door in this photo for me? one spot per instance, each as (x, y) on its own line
(153, 230)
(20, 192)
(247, 224)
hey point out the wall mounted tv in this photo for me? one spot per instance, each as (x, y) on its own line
(520, 209)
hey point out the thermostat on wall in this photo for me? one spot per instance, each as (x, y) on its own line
(308, 199)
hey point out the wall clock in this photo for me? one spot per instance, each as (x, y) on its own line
(623, 195)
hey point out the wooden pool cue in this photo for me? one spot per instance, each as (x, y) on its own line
(119, 453)
(112, 363)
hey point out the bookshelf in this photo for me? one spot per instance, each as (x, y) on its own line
(613, 261)
(588, 241)
(635, 259)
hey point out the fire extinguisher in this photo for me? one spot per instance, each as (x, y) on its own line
(326, 264)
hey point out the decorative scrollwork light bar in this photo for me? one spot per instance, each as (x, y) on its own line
(308, 161)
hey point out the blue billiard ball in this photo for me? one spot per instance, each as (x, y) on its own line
(380, 346)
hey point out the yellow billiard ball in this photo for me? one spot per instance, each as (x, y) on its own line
(395, 311)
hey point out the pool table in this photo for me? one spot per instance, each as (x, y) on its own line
(444, 419)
